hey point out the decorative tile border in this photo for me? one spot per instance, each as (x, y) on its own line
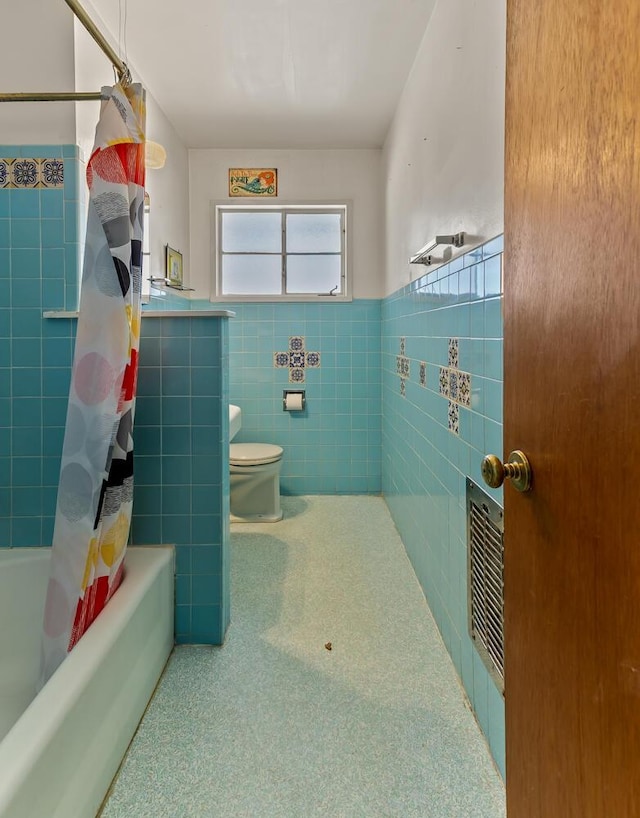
(27, 173)
(52, 172)
(454, 418)
(24, 173)
(423, 373)
(444, 381)
(453, 353)
(464, 389)
(403, 367)
(454, 385)
(296, 359)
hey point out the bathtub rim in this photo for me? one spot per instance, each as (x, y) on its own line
(38, 725)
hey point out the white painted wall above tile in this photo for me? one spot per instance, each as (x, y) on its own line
(444, 154)
(328, 176)
(168, 187)
(36, 55)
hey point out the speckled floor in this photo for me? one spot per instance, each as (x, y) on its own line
(274, 725)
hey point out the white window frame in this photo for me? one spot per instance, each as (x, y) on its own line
(145, 284)
(218, 208)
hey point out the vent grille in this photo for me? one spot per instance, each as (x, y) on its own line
(485, 528)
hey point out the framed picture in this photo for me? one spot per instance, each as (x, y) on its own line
(253, 182)
(173, 273)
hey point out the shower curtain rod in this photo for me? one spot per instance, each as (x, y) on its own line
(124, 75)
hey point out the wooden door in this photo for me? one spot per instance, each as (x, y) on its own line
(572, 403)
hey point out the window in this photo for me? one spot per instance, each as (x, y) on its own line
(280, 253)
(146, 251)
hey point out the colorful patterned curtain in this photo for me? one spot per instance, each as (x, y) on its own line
(95, 492)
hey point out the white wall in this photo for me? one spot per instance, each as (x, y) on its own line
(444, 154)
(168, 186)
(168, 190)
(36, 55)
(92, 71)
(303, 176)
(59, 55)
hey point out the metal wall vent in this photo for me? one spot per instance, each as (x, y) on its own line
(485, 542)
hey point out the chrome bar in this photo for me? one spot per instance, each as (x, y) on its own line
(124, 75)
(97, 35)
(62, 96)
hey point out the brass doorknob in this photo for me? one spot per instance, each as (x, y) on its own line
(517, 469)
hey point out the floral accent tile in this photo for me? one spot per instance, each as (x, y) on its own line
(453, 384)
(444, 381)
(24, 173)
(52, 173)
(453, 353)
(403, 364)
(454, 418)
(296, 359)
(423, 373)
(403, 387)
(5, 172)
(464, 389)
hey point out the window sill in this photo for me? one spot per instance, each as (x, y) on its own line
(281, 299)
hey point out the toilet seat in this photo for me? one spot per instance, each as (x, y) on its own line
(253, 454)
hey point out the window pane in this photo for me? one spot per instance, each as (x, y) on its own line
(313, 233)
(251, 232)
(313, 274)
(251, 275)
(147, 272)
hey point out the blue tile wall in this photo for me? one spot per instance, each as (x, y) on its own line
(429, 444)
(370, 423)
(181, 493)
(162, 298)
(333, 446)
(39, 262)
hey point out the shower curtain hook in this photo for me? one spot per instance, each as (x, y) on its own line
(125, 77)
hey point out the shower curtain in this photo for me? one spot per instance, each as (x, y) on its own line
(95, 491)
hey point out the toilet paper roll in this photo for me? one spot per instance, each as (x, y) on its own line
(293, 402)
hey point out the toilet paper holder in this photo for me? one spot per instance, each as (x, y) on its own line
(293, 400)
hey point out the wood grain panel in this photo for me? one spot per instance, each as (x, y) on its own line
(572, 403)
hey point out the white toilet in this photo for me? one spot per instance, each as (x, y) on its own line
(255, 482)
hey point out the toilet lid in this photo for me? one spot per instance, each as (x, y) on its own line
(253, 454)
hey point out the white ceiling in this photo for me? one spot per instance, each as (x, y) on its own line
(273, 73)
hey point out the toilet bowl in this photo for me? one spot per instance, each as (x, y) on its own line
(255, 482)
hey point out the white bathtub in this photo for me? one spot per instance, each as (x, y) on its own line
(60, 749)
